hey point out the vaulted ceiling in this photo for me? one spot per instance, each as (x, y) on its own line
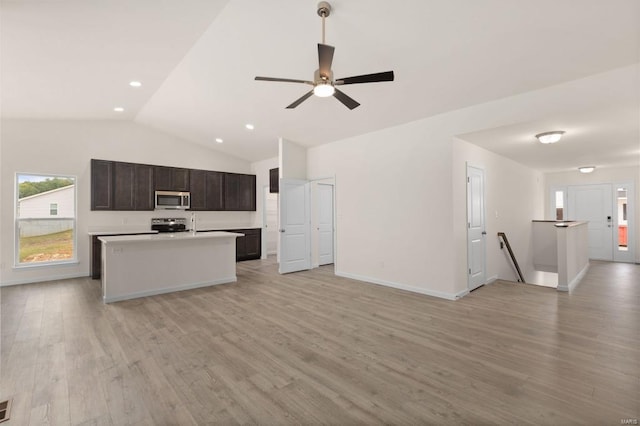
(197, 60)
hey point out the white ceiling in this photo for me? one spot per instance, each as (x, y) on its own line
(197, 60)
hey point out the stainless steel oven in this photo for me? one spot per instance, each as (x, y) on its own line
(166, 224)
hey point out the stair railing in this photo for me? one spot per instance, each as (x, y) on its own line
(513, 257)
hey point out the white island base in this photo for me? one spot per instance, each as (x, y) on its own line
(144, 265)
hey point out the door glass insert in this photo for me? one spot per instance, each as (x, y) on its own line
(559, 205)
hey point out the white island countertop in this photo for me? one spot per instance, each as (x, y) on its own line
(149, 264)
(167, 236)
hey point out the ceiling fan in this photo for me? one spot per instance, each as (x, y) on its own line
(323, 83)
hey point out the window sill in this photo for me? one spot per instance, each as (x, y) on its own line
(46, 264)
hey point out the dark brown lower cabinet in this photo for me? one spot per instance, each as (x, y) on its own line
(248, 247)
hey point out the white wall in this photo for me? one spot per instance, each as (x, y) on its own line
(292, 160)
(599, 176)
(393, 204)
(401, 194)
(513, 199)
(65, 148)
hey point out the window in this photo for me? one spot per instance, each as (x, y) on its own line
(559, 205)
(45, 219)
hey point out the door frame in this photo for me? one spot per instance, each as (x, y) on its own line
(629, 256)
(265, 191)
(315, 223)
(470, 286)
(307, 222)
(330, 180)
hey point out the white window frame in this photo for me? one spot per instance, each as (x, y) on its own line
(16, 231)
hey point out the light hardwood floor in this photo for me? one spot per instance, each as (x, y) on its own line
(311, 348)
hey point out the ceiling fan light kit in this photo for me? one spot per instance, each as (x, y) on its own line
(323, 82)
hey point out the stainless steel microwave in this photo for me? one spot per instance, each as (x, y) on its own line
(173, 200)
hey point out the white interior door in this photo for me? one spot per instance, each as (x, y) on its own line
(593, 203)
(476, 246)
(295, 235)
(325, 224)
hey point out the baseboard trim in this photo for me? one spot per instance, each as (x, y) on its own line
(574, 282)
(169, 290)
(43, 279)
(426, 292)
(492, 279)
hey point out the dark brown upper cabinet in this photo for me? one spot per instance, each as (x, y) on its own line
(124, 193)
(171, 179)
(101, 185)
(240, 192)
(117, 185)
(133, 187)
(207, 190)
(274, 180)
(144, 187)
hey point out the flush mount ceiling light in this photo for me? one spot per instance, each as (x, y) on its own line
(550, 137)
(118, 109)
(586, 169)
(219, 140)
(135, 84)
(249, 126)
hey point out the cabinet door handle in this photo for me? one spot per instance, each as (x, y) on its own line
(281, 230)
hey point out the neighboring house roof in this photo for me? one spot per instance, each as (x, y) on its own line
(46, 192)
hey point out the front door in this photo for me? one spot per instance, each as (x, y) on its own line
(295, 244)
(476, 247)
(593, 203)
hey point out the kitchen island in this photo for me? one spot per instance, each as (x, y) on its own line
(144, 265)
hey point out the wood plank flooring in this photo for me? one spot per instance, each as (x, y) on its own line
(312, 348)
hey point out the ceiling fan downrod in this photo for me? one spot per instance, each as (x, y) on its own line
(324, 10)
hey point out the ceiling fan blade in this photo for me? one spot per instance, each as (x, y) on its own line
(325, 58)
(301, 100)
(367, 78)
(348, 101)
(283, 80)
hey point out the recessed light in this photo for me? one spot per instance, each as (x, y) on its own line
(135, 84)
(586, 169)
(249, 126)
(219, 140)
(118, 109)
